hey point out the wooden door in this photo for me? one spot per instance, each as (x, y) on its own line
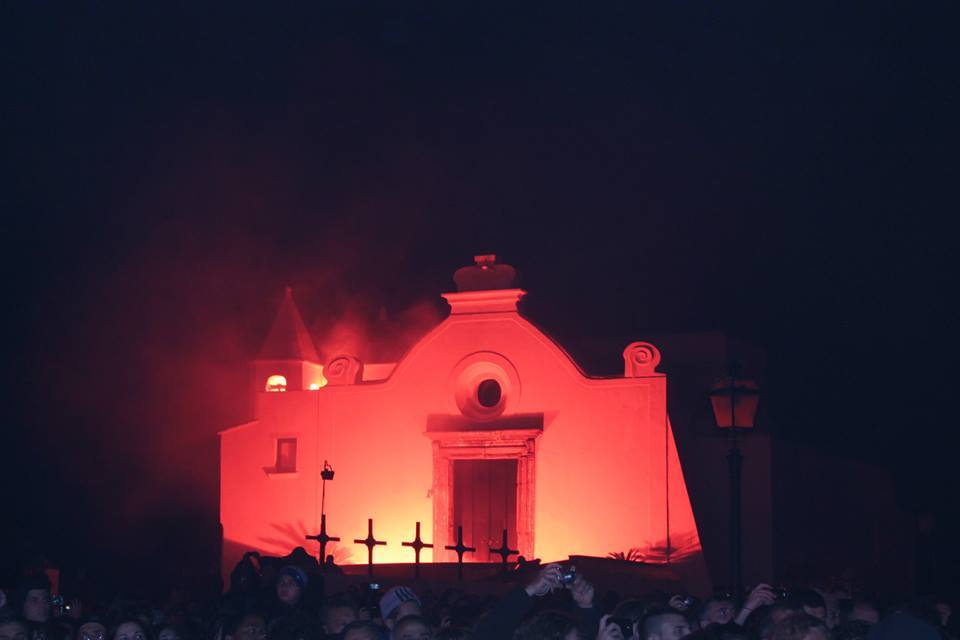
(484, 504)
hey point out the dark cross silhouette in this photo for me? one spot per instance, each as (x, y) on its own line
(504, 550)
(370, 542)
(460, 548)
(323, 539)
(417, 545)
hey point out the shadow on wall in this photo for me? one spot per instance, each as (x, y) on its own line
(288, 536)
(681, 547)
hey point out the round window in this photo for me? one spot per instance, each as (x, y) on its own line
(489, 393)
(485, 385)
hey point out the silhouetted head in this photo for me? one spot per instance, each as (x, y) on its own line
(360, 630)
(249, 626)
(337, 613)
(36, 598)
(130, 630)
(800, 626)
(717, 611)
(13, 628)
(412, 628)
(665, 625)
(548, 625)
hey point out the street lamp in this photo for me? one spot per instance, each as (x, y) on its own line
(326, 474)
(323, 537)
(735, 403)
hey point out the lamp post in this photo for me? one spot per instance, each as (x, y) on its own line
(326, 474)
(735, 403)
(323, 537)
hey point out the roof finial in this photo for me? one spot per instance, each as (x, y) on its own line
(485, 275)
(485, 261)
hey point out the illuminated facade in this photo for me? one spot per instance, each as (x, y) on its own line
(485, 423)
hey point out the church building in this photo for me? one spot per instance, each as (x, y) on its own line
(486, 424)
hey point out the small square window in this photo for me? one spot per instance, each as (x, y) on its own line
(286, 455)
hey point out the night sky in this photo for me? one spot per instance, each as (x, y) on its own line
(784, 174)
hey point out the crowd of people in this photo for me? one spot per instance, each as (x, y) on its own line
(553, 602)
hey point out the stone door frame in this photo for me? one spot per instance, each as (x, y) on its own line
(501, 444)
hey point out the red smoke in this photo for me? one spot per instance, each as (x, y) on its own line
(374, 336)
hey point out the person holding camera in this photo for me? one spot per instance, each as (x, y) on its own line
(507, 616)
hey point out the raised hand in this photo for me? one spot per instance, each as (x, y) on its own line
(582, 592)
(546, 581)
(760, 596)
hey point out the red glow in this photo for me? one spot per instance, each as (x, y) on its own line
(317, 380)
(597, 467)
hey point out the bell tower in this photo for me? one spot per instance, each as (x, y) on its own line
(288, 360)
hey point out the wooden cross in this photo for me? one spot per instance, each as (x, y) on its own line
(504, 550)
(323, 539)
(460, 548)
(370, 542)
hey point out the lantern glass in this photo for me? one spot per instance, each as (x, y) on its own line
(735, 403)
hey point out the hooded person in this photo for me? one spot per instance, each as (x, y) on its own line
(287, 607)
(291, 585)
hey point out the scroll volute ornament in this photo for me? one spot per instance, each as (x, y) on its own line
(640, 359)
(343, 370)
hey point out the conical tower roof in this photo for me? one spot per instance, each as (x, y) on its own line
(288, 338)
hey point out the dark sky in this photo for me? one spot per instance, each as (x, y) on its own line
(785, 174)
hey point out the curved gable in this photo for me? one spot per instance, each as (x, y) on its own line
(509, 334)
